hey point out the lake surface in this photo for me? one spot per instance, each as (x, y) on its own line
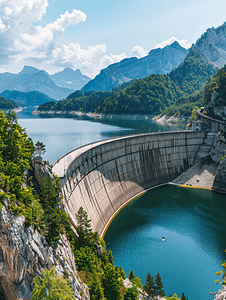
(193, 222)
(61, 135)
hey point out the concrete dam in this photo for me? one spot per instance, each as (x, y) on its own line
(104, 176)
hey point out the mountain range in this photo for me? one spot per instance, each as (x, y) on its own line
(158, 61)
(55, 86)
(27, 99)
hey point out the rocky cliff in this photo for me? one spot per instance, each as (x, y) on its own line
(218, 153)
(212, 45)
(24, 253)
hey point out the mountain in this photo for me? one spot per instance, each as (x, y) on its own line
(30, 98)
(70, 79)
(158, 61)
(5, 103)
(194, 71)
(212, 45)
(32, 79)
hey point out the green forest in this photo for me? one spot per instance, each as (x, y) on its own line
(8, 104)
(176, 93)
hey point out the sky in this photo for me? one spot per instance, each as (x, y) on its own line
(89, 35)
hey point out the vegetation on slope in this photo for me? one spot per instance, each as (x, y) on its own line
(29, 98)
(42, 210)
(8, 104)
(84, 102)
(216, 83)
(192, 73)
(145, 96)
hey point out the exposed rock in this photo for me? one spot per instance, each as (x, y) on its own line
(220, 178)
(219, 148)
(221, 295)
(39, 168)
(212, 45)
(24, 253)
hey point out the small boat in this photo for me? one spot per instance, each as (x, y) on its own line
(163, 239)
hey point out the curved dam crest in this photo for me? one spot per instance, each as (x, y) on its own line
(102, 177)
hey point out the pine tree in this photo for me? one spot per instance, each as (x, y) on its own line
(40, 148)
(149, 286)
(159, 285)
(122, 272)
(111, 282)
(83, 228)
(110, 257)
(51, 287)
(131, 294)
(183, 297)
(131, 275)
(95, 289)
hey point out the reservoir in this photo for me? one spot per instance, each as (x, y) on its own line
(60, 135)
(193, 222)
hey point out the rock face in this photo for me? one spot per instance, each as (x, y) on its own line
(221, 295)
(24, 253)
(218, 153)
(70, 79)
(212, 45)
(158, 61)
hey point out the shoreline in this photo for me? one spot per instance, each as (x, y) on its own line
(164, 120)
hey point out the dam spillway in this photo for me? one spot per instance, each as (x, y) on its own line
(103, 176)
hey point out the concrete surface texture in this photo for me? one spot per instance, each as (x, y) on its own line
(102, 177)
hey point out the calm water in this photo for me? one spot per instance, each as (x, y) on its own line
(61, 135)
(193, 221)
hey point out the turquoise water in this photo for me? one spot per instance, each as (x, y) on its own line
(61, 135)
(193, 221)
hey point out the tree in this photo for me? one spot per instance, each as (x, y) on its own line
(149, 286)
(83, 228)
(95, 289)
(123, 274)
(131, 275)
(51, 287)
(183, 297)
(159, 285)
(40, 148)
(131, 293)
(111, 282)
(223, 276)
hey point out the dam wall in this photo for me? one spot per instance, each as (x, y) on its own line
(102, 177)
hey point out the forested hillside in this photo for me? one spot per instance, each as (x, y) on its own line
(5, 103)
(192, 73)
(145, 96)
(29, 99)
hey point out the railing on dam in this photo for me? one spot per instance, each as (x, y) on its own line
(102, 177)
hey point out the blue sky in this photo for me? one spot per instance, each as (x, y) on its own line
(90, 35)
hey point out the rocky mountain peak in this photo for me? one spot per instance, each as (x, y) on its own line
(212, 45)
(28, 70)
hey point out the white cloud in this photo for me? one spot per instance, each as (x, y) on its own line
(184, 43)
(24, 42)
(139, 51)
